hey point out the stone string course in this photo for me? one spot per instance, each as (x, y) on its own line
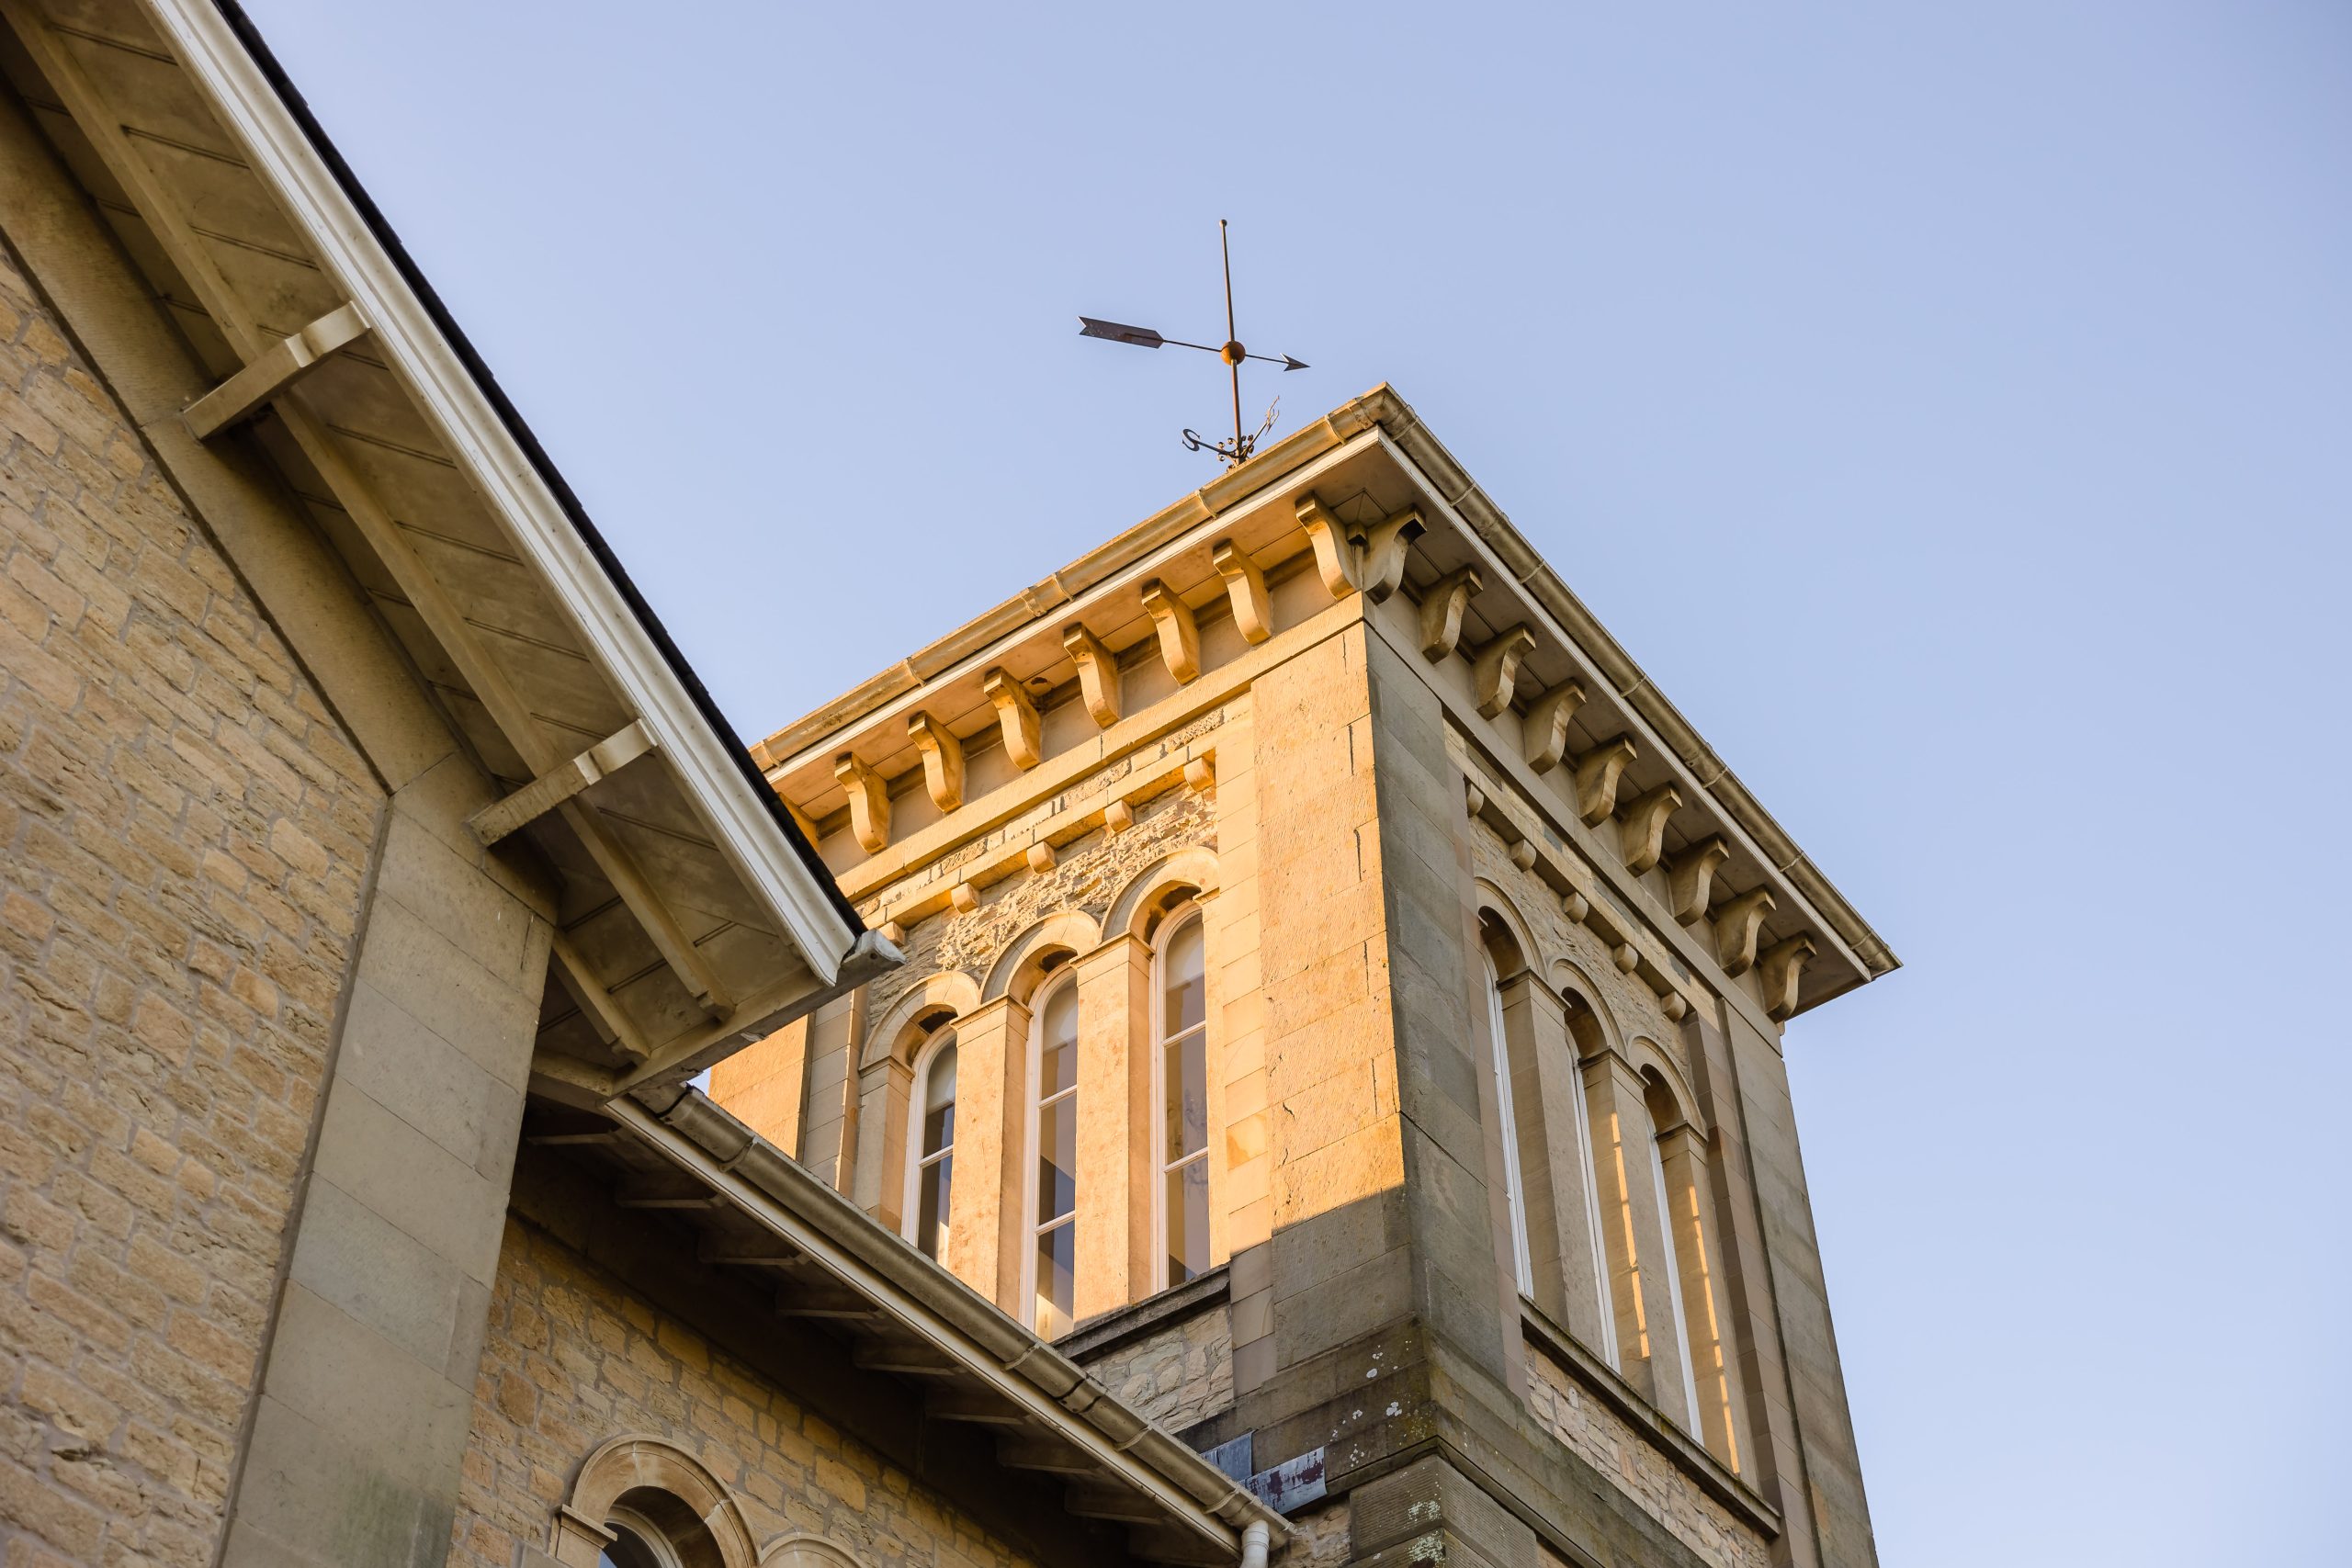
(573, 1359)
(184, 835)
(1651, 1479)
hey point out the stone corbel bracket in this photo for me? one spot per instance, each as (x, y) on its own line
(1017, 713)
(1442, 609)
(1245, 585)
(1644, 833)
(1098, 674)
(1545, 735)
(1496, 670)
(1180, 635)
(1778, 968)
(869, 803)
(1736, 924)
(942, 760)
(1371, 559)
(1597, 774)
(1690, 878)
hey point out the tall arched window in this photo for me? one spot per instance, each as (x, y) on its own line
(1585, 1037)
(1514, 1188)
(1181, 1092)
(1052, 1268)
(931, 1170)
(1663, 1113)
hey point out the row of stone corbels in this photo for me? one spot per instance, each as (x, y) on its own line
(1595, 777)
(1372, 558)
(1739, 920)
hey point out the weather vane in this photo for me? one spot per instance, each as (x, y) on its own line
(1233, 354)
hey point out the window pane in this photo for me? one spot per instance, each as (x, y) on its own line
(1185, 1002)
(1057, 1064)
(1188, 1221)
(939, 1102)
(1057, 1158)
(1184, 1064)
(1056, 1278)
(931, 1197)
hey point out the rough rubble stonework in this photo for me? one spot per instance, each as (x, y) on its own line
(183, 832)
(573, 1357)
(1617, 1451)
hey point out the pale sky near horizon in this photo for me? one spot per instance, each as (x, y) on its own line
(1951, 407)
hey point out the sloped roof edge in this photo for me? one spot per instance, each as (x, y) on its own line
(224, 50)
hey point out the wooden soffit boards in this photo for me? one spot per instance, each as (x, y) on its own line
(701, 921)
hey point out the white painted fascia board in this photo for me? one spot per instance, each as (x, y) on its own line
(446, 394)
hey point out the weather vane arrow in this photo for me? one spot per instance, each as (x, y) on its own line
(1232, 352)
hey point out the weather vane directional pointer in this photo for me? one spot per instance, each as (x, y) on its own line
(1232, 352)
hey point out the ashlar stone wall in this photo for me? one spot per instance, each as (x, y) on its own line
(184, 832)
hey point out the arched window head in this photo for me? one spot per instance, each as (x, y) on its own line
(1181, 1095)
(637, 1542)
(642, 1502)
(932, 1165)
(1052, 1266)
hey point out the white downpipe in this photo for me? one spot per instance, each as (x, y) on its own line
(1254, 1536)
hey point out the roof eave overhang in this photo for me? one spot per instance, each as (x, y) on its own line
(485, 437)
(916, 1299)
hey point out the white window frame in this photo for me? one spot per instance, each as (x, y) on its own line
(1158, 1130)
(1030, 1227)
(1514, 1182)
(910, 1211)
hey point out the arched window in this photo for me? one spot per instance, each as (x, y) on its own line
(1585, 1036)
(637, 1542)
(1181, 1092)
(1663, 1113)
(931, 1170)
(1514, 1188)
(1052, 1266)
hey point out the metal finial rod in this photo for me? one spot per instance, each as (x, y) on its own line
(1234, 352)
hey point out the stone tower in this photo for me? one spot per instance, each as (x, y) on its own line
(1343, 1010)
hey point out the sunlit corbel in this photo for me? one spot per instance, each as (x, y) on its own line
(869, 803)
(1245, 585)
(1442, 609)
(1736, 924)
(1334, 555)
(1545, 735)
(1597, 774)
(1180, 636)
(1644, 833)
(1690, 878)
(1496, 670)
(1098, 674)
(942, 760)
(1778, 970)
(1017, 713)
(1385, 546)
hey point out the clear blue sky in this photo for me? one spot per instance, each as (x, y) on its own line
(1951, 406)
